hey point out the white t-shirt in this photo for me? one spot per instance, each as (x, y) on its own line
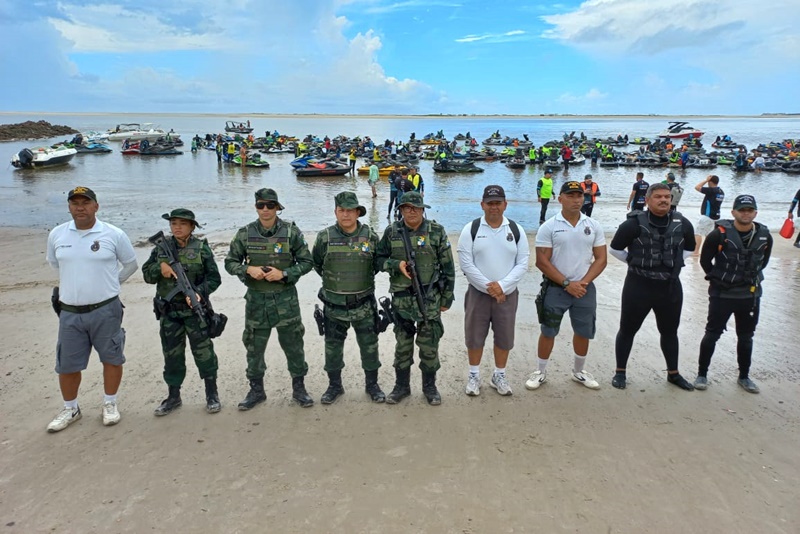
(495, 256)
(88, 261)
(572, 246)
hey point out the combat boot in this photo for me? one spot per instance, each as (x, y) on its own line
(212, 397)
(255, 396)
(335, 389)
(429, 389)
(171, 403)
(402, 386)
(372, 388)
(299, 393)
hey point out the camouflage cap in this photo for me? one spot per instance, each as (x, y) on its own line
(81, 191)
(412, 198)
(349, 201)
(268, 194)
(182, 213)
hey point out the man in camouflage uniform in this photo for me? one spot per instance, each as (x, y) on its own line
(345, 257)
(178, 321)
(269, 255)
(434, 263)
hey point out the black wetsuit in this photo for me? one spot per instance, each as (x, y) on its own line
(641, 294)
(723, 302)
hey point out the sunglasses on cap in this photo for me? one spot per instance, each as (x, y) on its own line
(268, 205)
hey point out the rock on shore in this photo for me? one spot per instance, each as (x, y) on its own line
(33, 130)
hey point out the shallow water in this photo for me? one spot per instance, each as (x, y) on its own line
(134, 191)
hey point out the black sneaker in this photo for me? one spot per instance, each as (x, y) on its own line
(619, 381)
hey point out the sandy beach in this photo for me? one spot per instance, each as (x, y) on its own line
(649, 459)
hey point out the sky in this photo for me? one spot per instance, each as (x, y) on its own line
(681, 57)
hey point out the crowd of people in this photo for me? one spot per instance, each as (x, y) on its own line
(270, 255)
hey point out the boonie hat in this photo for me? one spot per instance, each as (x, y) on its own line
(349, 201)
(81, 191)
(744, 201)
(570, 187)
(182, 213)
(412, 198)
(268, 194)
(493, 192)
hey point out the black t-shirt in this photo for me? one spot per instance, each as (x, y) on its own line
(641, 191)
(403, 184)
(629, 230)
(712, 202)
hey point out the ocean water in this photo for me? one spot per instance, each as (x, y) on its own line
(134, 191)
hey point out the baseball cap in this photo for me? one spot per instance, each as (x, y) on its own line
(570, 187)
(670, 176)
(81, 191)
(587, 177)
(744, 201)
(182, 213)
(493, 192)
(268, 194)
(412, 198)
(349, 201)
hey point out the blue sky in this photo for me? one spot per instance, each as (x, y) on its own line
(401, 56)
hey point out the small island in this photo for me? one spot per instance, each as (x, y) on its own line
(33, 130)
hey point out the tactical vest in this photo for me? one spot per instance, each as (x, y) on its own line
(547, 188)
(425, 249)
(192, 261)
(275, 251)
(737, 263)
(348, 264)
(652, 250)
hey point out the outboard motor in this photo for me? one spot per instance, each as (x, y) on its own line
(25, 157)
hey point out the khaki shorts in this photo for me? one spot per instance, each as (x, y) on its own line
(481, 311)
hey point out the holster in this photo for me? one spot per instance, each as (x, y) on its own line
(540, 300)
(54, 302)
(160, 307)
(319, 317)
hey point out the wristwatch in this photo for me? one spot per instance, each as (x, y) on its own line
(565, 283)
(285, 275)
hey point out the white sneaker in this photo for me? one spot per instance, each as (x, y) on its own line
(536, 379)
(110, 414)
(473, 385)
(500, 383)
(65, 417)
(586, 379)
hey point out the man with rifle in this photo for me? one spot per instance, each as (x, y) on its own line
(345, 257)
(417, 255)
(185, 274)
(269, 256)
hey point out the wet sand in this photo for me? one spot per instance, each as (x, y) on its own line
(652, 458)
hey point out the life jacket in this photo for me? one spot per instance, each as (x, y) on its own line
(192, 261)
(348, 264)
(424, 245)
(737, 263)
(546, 190)
(416, 180)
(652, 249)
(592, 192)
(274, 251)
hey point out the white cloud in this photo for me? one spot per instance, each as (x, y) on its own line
(513, 35)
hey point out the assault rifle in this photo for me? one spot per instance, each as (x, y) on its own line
(183, 285)
(411, 266)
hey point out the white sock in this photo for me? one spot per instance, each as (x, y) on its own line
(109, 398)
(475, 370)
(579, 361)
(499, 371)
(73, 404)
(543, 365)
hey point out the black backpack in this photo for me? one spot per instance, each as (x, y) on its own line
(477, 224)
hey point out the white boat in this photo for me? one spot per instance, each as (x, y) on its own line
(139, 132)
(94, 137)
(680, 130)
(32, 158)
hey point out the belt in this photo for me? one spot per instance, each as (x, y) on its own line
(86, 308)
(351, 301)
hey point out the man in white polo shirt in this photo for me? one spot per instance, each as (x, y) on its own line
(88, 253)
(493, 253)
(571, 253)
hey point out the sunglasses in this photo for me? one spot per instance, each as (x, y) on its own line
(266, 205)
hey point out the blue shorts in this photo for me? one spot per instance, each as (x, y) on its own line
(79, 332)
(582, 311)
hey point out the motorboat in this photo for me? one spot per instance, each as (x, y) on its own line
(323, 168)
(254, 159)
(238, 127)
(33, 158)
(680, 130)
(445, 165)
(140, 132)
(159, 148)
(93, 148)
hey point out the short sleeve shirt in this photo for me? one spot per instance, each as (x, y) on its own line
(572, 246)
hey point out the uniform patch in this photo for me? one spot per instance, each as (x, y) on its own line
(421, 240)
(277, 248)
(587, 230)
(95, 246)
